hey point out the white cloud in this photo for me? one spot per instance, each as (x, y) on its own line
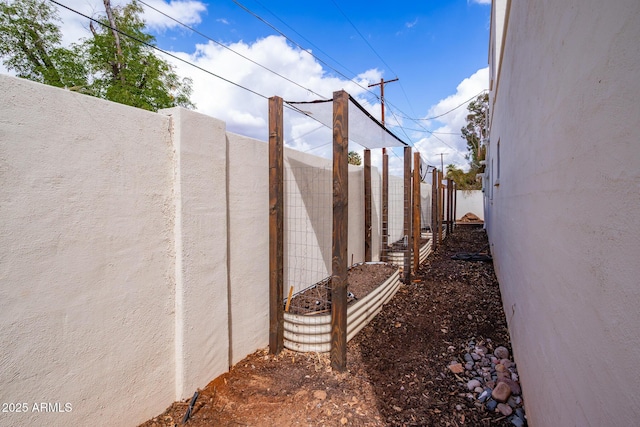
(446, 138)
(76, 27)
(188, 12)
(247, 113)
(480, 1)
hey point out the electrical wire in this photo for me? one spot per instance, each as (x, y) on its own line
(173, 56)
(304, 38)
(256, 63)
(274, 28)
(158, 49)
(363, 38)
(231, 50)
(451, 110)
(366, 89)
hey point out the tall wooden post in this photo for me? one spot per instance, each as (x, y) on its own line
(276, 226)
(340, 231)
(407, 214)
(417, 235)
(455, 203)
(449, 205)
(440, 206)
(367, 205)
(384, 252)
(434, 208)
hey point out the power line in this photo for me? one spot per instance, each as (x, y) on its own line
(273, 27)
(363, 38)
(225, 79)
(158, 49)
(453, 109)
(305, 39)
(231, 50)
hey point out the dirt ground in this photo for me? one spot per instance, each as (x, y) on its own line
(397, 365)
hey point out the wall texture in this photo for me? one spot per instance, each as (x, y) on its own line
(469, 201)
(563, 193)
(134, 252)
(87, 257)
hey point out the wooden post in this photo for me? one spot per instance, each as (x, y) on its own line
(434, 209)
(407, 214)
(440, 206)
(276, 226)
(455, 203)
(340, 230)
(417, 235)
(367, 205)
(449, 207)
(384, 252)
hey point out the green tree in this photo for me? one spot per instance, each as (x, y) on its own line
(30, 45)
(127, 71)
(354, 158)
(464, 180)
(109, 64)
(473, 132)
(476, 130)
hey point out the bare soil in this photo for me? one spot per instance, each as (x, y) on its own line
(397, 365)
(361, 279)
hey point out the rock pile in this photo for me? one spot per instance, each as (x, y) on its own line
(490, 379)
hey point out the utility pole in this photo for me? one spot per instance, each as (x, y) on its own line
(381, 84)
(442, 162)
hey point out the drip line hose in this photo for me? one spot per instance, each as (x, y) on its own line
(475, 256)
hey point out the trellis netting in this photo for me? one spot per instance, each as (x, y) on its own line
(364, 129)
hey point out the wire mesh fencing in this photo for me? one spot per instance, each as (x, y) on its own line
(308, 233)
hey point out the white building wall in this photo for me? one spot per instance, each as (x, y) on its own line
(563, 198)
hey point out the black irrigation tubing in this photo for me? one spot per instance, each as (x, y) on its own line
(475, 256)
(190, 408)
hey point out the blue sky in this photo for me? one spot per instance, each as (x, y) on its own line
(437, 49)
(430, 45)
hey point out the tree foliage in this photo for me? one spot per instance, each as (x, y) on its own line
(128, 71)
(354, 158)
(464, 180)
(473, 132)
(30, 45)
(116, 62)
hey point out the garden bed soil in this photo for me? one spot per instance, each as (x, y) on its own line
(400, 247)
(397, 366)
(361, 280)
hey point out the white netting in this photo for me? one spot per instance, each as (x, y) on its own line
(364, 129)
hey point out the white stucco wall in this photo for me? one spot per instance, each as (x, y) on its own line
(86, 257)
(200, 229)
(134, 252)
(395, 209)
(563, 221)
(248, 245)
(469, 201)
